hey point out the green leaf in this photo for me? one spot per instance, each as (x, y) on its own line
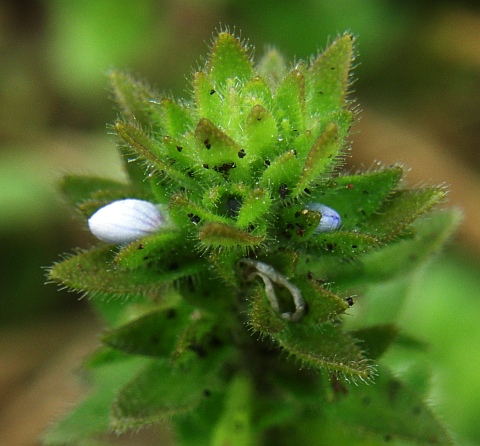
(153, 153)
(326, 347)
(261, 133)
(327, 78)
(234, 428)
(388, 410)
(394, 260)
(401, 209)
(375, 340)
(357, 197)
(92, 416)
(255, 207)
(161, 391)
(209, 103)
(217, 235)
(289, 104)
(78, 189)
(176, 118)
(152, 334)
(228, 61)
(95, 272)
(272, 67)
(342, 243)
(215, 147)
(137, 102)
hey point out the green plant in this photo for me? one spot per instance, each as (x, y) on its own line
(225, 298)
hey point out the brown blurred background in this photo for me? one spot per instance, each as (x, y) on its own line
(418, 84)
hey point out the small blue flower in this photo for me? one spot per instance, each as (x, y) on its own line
(125, 221)
(330, 220)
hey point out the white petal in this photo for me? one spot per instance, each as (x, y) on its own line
(125, 221)
(330, 220)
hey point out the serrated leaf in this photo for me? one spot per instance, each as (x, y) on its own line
(327, 78)
(389, 409)
(228, 60)
(161, 391)
(94, 272)
(326, 347)
(401, 209)
(394, 260)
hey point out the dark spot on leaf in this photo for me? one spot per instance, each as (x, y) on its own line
(416, 410)
(354, 246)
(330, 246)
(179, 148)
(387, 437)
(283, 191)
(241, 153)
(205, 166)
(207, 144)
(393, 389)
(259, 118)
(300, 231)
(297, 214)
(173, 266)
(140, 246)
(190, 173)
(198, 349)
(309, 275)
(195, 219)
(294, 152)
(338, 386)
(207, 393)
(224, 169)
(267, 163)
(307, 191)
(232, 206)
(171, 313)
(212, 91)
(332, 68)
(349, 301)
(366, 192)
(366, 401)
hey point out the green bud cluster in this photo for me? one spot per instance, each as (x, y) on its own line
(261, 242)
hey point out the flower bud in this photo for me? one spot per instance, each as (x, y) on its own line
(330, 220)
(125, 221)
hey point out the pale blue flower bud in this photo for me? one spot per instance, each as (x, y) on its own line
(125, 221)
(330, 220)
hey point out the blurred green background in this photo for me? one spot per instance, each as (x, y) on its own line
(417, 82)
